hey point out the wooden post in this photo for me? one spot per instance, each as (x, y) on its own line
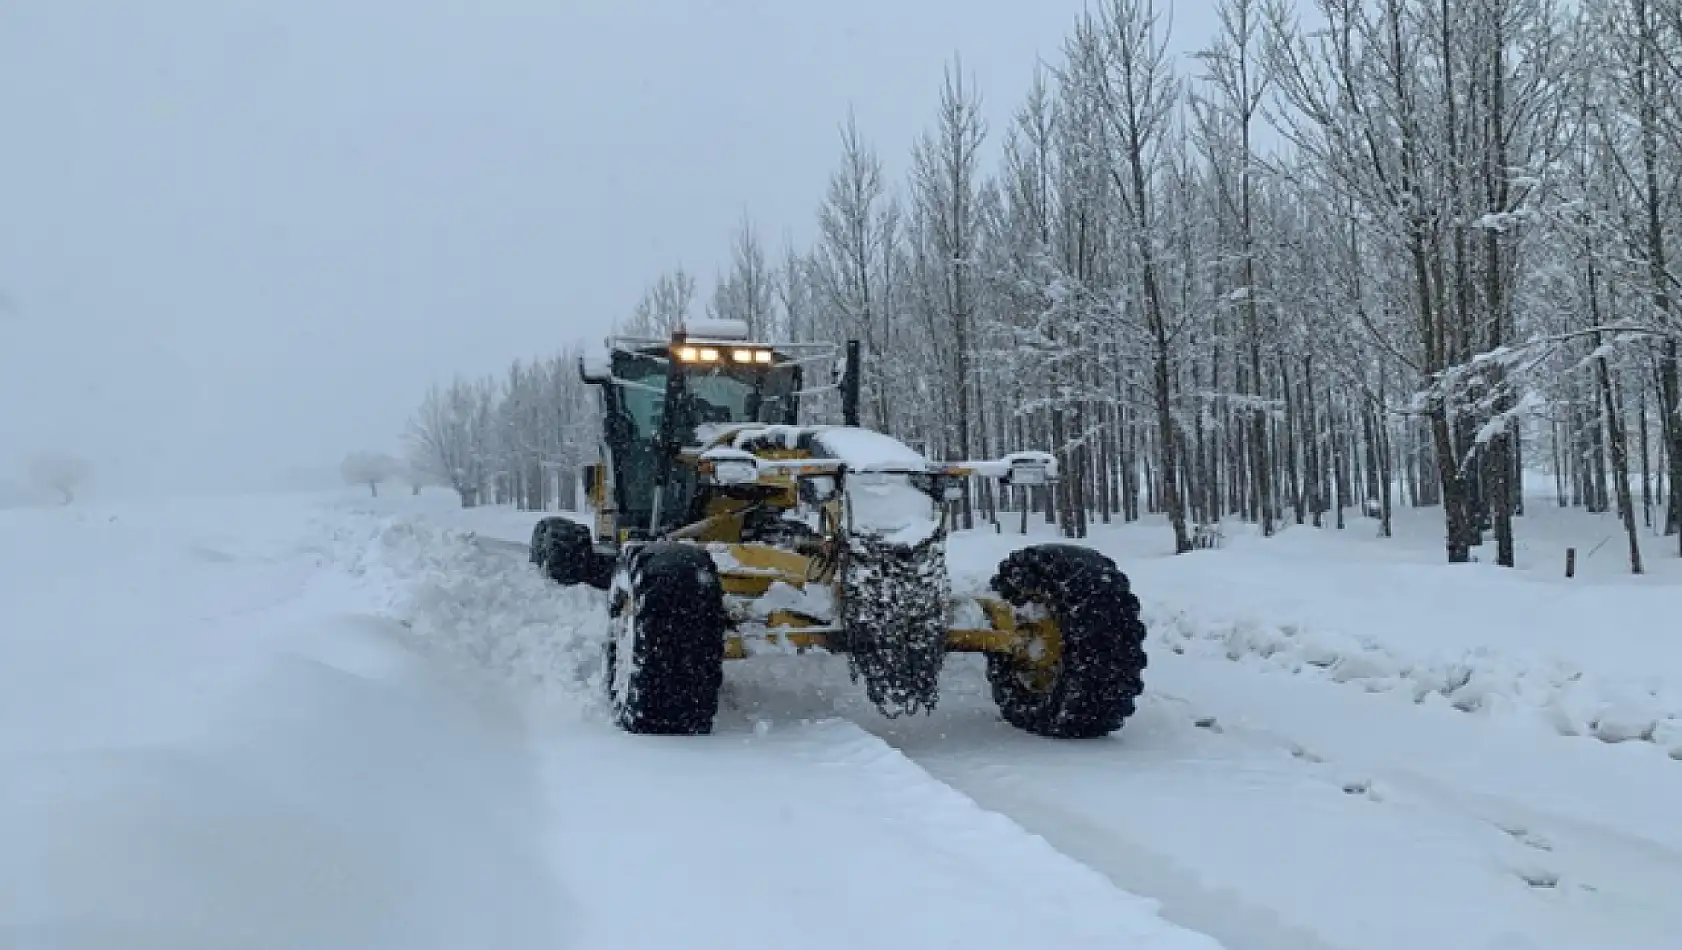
(1570, 562)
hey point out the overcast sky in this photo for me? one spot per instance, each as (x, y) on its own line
(240, 237)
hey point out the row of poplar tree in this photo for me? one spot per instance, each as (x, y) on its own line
(1400, 257)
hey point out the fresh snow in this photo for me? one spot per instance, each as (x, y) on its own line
(865, 449)
(859, 448)
(888, 506)
(286, 722)
(333, 721)
(1295, 780)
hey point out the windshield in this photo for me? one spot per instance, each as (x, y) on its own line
(734, 393)
(718, 393)
(715, 393)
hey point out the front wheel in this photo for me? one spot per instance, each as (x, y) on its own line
(1090, 684)
(665, 652)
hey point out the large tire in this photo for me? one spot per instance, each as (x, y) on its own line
(540, 539)
(1096, 684)
(665, 651)
(567, 554)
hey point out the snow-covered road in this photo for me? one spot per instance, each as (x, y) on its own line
(291, 721)
(1337, 752)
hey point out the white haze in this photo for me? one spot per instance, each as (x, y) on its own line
(239, 238)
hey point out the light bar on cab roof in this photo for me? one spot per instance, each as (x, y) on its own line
(709, 354)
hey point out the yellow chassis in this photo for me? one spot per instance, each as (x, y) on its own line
(748, 570)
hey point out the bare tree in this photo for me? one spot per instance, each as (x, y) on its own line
(849, 257)
(747, 293)
(664, 305)
(1139, 93)
(450, 438)
(1227, 123)
(369, 468)
(945, 163)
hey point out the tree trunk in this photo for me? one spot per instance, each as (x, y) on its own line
(1620, 460)
(1646, 465)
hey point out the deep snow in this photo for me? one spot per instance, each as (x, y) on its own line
(208, 740)
(287, 722)
(1344, 743)
(331, 721)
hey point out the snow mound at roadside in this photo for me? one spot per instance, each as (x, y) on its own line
(1479, 681)
(468, 604)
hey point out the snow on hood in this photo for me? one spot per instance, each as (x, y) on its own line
(864, 449)
(889, 506)
(859, 448)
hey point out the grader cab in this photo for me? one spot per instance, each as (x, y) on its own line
(723, 527)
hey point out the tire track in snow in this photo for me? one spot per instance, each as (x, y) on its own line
(966, 749)
(1541, 842)
(1131, 865)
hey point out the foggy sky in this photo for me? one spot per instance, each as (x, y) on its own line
(239, 238)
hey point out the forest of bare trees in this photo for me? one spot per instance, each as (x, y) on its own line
(1399, 257)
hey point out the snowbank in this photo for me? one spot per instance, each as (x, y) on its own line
(1476, 680)
(477, 606)
(208, 740)
(1580, 659)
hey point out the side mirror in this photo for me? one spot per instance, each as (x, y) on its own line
(594, 369)
(1026, 473)
(1029, 468)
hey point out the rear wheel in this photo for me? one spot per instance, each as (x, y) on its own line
(1091, 684)
(665, 652)
(540, 539)
(566, 552)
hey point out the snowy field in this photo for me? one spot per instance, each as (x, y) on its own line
(334, 722)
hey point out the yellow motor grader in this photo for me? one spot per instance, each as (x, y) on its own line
(722, 528)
